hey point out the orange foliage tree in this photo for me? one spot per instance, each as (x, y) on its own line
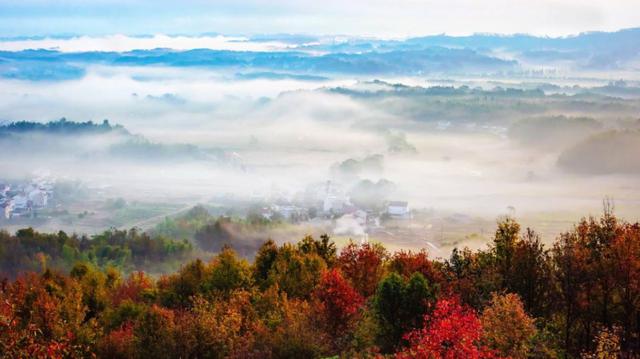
(363, 265)
(506, 326)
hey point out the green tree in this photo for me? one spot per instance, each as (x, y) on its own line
(400, 307)
(227, 272)
(296, 273)
(178, 289)
(324, 247)
(154, 334)
(264, 260)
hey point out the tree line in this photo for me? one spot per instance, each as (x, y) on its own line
(127, 250)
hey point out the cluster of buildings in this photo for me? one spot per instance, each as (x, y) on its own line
(331, 201)
(21, 199)
(336, 202)
(287, 211)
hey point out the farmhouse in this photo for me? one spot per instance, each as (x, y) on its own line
(398, 209)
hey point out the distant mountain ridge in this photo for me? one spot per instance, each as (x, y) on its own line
(33, 64)
(320, 57)
(596, 49)
(61, 137)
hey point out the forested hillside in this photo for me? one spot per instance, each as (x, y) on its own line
(30, 250)
(517, 298)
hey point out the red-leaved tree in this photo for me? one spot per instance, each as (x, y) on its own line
(452, 331)
(339, 302)
(363, 266)
(133, 288)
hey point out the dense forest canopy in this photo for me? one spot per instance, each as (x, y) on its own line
(29, 250)
(517, 298)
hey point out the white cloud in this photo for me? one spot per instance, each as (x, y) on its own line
(122, 43)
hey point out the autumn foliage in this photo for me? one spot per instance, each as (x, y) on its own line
(363, 265)
(451, 331)
(338, 302)
(507, 327)
(517, 298)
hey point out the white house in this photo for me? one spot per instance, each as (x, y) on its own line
(290, 212)
(38, 198)
(398, 209)
(334, 204)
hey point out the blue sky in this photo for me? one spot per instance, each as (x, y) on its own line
(380, 18)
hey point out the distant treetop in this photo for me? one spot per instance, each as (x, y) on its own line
(61, 126)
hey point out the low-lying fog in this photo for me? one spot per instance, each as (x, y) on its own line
(479, 154)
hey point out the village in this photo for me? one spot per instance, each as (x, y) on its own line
(330, 206)
(327, 206)
(331, 202)
(24, 198)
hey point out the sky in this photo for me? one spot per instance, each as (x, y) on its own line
(376, 18)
